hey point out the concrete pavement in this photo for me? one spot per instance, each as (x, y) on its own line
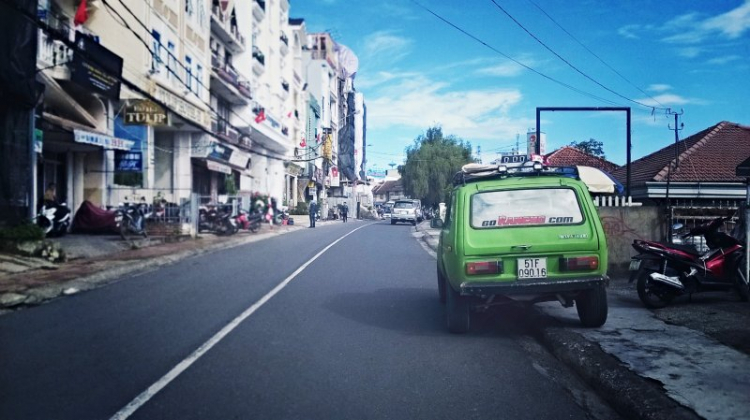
(687, 361)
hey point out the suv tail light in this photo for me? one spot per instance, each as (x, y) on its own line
(484, 267)
(579, 263)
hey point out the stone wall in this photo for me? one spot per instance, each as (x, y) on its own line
(622, 225)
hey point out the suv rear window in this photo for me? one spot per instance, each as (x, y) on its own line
(403, 205)
(530, 207)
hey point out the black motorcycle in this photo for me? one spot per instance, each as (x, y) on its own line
(217, 218)
(131, 218)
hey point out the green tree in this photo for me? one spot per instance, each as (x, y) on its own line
(590, 146)
(430, 164)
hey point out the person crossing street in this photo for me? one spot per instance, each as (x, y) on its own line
(344, 212)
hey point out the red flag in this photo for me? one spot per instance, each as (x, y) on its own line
(289, 115)
(82, 14)
(303, 143)
(261, 116)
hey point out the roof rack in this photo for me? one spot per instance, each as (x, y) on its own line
(477, 172)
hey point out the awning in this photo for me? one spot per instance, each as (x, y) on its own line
(599, 181)
(57, 98)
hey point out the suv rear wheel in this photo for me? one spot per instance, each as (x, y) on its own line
(457, 310)
(592, 307)
(441, 286)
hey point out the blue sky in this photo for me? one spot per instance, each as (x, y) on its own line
(417, 71)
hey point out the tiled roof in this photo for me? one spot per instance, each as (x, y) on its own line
(387, 187)
(710, 155)
(569, 156)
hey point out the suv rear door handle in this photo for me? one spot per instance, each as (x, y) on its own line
(523, 247)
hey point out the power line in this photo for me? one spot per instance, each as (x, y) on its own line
(454, 26)
(568, 62)
(593, 53)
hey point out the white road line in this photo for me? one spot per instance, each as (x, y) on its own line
(149, 393)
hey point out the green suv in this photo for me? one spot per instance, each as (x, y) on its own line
(529, 233)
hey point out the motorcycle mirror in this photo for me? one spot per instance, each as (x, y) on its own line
(677, 226)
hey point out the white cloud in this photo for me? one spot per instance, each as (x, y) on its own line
(666, 99)
(365, 82)
(723, 60)
(691, 30)
(659, 87)
(385, 46)
(689, 52)
(509, 69)
(418, 102)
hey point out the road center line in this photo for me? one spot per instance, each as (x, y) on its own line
(149, 393)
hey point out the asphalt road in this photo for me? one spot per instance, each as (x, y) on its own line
(354, 330)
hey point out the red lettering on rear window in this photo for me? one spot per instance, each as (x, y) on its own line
(520, 220)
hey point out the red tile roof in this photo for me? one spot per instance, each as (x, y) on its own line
(569, 156)
(710, 155)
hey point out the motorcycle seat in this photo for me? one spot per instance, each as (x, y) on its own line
(690, 249)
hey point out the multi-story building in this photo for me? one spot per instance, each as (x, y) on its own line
(192, 96)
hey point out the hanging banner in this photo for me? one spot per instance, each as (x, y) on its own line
(144, 112)
(107, 142)
(220, 152)
(334, 176)
(101, 74)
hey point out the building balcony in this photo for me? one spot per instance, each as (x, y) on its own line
(225, 31)
(259, 61)
(54, 56)
(225, 133)
(228, 84)
(284, 4)
(259, 10)
(284, 48)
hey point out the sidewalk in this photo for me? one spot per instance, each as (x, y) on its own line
(97, 259)
(687, 361)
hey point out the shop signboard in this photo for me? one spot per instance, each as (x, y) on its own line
(100, 69)
(128, 161)
(239, 159)
(334, 176)
(218, 167)
(180, 106)
(38, 140)
(220, 152)
(103, 140)
(144, 112)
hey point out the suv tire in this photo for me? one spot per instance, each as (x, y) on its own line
(592, 307)
(441, 285)
(457, 311)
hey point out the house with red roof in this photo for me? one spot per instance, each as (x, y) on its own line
(700, 167)
(570, 156)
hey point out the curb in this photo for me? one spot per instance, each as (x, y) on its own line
(631, 395)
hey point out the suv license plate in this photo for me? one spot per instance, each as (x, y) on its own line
(532, 268)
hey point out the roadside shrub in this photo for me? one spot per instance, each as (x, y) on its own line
(24, 232)
(300, 210)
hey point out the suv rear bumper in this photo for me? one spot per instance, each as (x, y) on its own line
(539, 286)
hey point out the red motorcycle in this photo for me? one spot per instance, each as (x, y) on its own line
(664, 271)
(248, 221)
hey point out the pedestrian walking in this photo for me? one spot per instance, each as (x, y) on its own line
(344, 212)
(313, 210)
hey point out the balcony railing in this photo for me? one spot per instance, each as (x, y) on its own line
(258, 55)
(244, 88)
(229, 75)
(227, 29)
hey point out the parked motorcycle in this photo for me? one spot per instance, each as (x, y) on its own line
(664, 271)
(131, 218)
(217, 219)
(53, 219)
(248, 221)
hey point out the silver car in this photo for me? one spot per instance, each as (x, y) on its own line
(404, 211)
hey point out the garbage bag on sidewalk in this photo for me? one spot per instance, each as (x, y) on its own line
(91, 219)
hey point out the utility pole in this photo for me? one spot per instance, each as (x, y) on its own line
(479, 153)
(677, 128)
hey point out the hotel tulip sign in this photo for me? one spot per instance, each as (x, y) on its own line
(144, 112)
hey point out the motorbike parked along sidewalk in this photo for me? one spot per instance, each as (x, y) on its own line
(663, 271)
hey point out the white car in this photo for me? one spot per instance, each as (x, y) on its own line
(404, 211)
